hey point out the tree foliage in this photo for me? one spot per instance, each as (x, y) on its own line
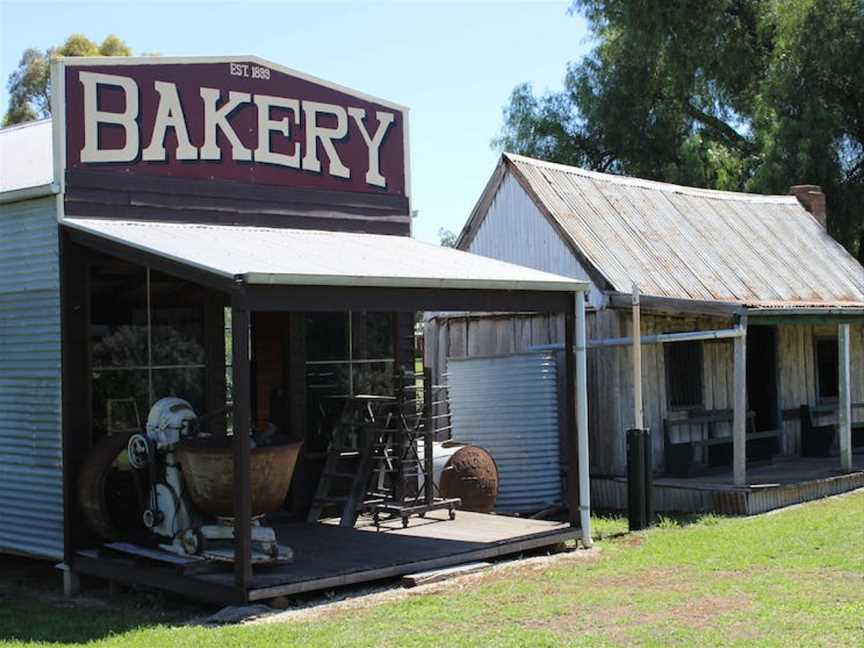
(30, 84)
(447, 238)
(744, 95)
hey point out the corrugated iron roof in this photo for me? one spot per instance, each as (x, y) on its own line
(262, 255)
(26, 156)
(689, 243)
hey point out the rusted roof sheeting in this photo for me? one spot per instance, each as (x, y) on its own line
(688, 243)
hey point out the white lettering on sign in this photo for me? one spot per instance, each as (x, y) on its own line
(249, 71)
(267, 125)
(93, 117)
(373, 144)
(325, 126)
(218, 119)
(316, 133)
(169, 114)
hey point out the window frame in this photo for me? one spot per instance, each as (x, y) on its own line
(149, 367)
(699, 345)
(351, 362)
(817, 339)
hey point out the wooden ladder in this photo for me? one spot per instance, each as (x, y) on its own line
(334, 473)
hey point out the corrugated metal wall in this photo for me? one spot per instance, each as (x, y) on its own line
(509, 406)
(31, 469)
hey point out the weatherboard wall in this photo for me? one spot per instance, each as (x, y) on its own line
(31, 472)
(515, 231)
(610, 381)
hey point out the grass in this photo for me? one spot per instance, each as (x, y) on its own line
(795, 577)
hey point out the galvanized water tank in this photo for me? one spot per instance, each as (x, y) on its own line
(508, 404)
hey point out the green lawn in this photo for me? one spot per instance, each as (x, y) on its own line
(792, 578)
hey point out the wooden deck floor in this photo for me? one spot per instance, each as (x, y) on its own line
(780, 472)
(328, 556)
(781, 483)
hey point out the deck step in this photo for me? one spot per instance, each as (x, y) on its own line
(437, 575)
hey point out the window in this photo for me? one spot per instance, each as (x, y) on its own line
(350, 353)
(827, 368)
(147, 342)
(684, 374)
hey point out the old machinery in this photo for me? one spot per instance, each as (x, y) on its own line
(190, 500)
(184, 486)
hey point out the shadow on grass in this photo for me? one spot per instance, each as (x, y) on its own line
(41, 622)
(611, 525)
(33, 609)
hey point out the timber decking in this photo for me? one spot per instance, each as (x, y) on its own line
(327, 555)
(781, 483)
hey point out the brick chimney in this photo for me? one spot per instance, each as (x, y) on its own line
(812, 199)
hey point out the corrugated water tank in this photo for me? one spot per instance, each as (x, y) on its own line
(508, 404)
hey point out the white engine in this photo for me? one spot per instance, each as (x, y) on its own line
(168, 422)
(169, 512)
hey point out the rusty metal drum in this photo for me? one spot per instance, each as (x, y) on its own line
(208, 471)
(468, 472)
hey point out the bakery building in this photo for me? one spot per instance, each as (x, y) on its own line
(209, 381)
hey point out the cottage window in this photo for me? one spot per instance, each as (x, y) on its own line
(684, 375)
(827, 368)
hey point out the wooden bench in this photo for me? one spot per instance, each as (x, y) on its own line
(818, 436)
(680, 455)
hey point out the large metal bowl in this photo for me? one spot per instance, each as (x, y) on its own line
(208, 471)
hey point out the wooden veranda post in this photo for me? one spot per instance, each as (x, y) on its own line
(638, 411)
(581, 352)
(570, 419)
(844, 406)
(739, 416)
(241, 419)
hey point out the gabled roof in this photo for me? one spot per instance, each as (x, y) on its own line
(682, 242)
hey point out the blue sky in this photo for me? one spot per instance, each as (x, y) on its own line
(454, 64)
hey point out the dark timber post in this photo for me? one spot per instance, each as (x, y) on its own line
(428, 436)
(242, 416)
(570, 417)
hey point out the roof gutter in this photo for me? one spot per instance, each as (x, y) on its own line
(826, 311)
(739, 330)
(370, 281)
(28, 193)
(829, 315)
(653, 303)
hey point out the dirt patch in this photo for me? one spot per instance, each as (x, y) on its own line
(619, 622)
(371, 597)
(691, 605)
(652, 580)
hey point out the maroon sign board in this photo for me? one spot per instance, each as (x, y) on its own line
(168, 133)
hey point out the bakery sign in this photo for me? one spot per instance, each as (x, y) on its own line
(230, 120)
